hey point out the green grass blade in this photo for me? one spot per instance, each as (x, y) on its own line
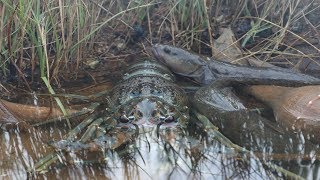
(45, 80)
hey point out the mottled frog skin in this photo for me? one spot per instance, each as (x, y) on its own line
(146, 100)
(147, 115)
(147, 95)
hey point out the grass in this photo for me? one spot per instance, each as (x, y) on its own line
(48, 34)
(40, 33)
(282, 18)
(54, 36)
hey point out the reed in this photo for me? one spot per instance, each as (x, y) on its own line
(185, 21)
(53, 36)
(283, 19)
(39, 34)
(49, 35)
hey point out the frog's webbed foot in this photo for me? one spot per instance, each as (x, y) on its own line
(70, 144)
(96, 134)
(95, 138)
(73, 146)
(51, 158)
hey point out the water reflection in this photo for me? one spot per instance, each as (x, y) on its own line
(145, 157)
(168, 155)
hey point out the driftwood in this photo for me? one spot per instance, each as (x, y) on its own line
(295, 108)
(14, 113)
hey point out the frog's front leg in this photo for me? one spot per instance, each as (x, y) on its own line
(94, 138)
(51, 158)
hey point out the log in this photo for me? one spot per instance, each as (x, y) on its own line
(14, 113)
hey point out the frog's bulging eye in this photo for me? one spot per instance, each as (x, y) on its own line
(135, 114)
(162, 118)
(131, 118)
(123, 119)
(169, 119)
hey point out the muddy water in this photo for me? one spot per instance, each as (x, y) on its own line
(148, 157)
(145, 157)
(19, 149)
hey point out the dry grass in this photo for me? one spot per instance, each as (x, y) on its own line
(41, 33)
(53, 36)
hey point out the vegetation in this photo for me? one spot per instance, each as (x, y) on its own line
(55, 36)
(46, 40)
(42, 33)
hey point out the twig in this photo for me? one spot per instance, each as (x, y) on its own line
(76, 114)
(209, 27)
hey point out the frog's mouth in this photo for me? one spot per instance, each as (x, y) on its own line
(147, 112)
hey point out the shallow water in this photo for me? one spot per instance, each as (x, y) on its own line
(150, 157)
(153, 159)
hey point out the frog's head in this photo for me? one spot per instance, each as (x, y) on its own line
(178, 60)
(149, 112)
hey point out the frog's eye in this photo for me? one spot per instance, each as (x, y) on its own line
(136, 113)
(131, 118)
(123, 119)
(162, 118)
(169, 119)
